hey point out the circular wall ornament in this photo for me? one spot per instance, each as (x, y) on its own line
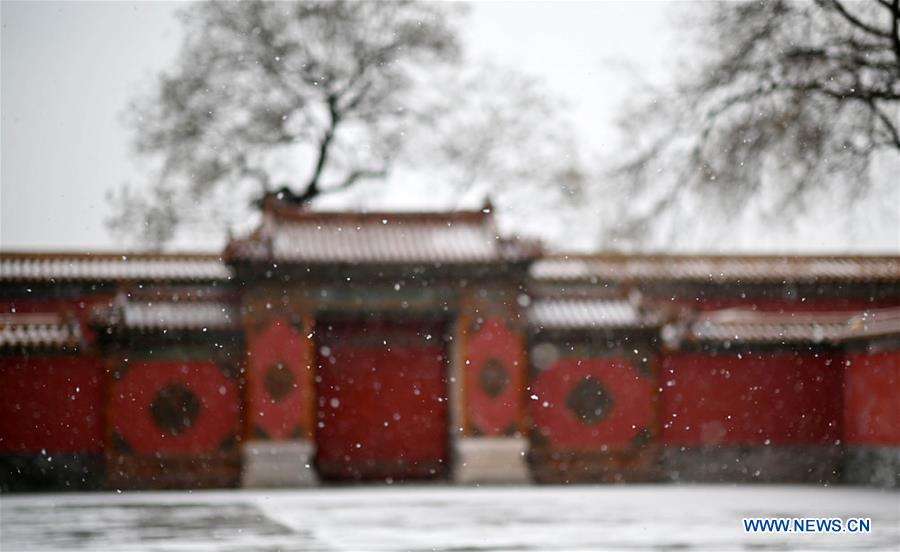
(493, 378)
(175, 408)
(279, 381)
(590, 401)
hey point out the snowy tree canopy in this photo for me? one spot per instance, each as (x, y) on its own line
(311, 98)
(785, 99)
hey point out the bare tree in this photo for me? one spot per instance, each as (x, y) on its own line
(800, 94)
(309, 96)
(498, 133)
(312, 98)
(492, 128)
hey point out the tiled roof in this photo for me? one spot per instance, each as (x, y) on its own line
(584, 313)
(718, 269)
(69, 267)
(38, 330)
(747, 326)
(170, 315)
(290, 234)
(874, 323)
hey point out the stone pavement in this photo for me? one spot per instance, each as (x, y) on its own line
(640, 517)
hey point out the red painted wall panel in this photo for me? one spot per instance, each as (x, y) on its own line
(493, 379)
(382, 404)
(628, 407)
(51, 403)
(733, 399)
(142, 395)
(280, 390)
(872, 398)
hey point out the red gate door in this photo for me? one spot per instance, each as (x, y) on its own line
(382, 400)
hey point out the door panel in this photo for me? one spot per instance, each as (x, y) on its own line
(381, 405)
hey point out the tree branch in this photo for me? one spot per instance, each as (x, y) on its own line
(312, 188)
(355, 176)
(895, 28)
(852, 19)
(893, 132)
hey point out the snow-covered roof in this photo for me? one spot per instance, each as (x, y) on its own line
(585, 313)
(32, 330)
(170, 315)
(292, 234)
(718, 269)
(88, 267)
(748, 326)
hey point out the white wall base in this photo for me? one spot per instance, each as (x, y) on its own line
(491, 460)
(279, 464)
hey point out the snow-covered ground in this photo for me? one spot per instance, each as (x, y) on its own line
(444, 518)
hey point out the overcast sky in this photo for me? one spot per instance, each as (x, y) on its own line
(69, 70)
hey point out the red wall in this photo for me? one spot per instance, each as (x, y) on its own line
(217, 421)
(748, 399)
(496, 347)
(289, 415)
(51, 403)
(872, 399)
(632, 408)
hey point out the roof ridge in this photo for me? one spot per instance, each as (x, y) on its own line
(656, 256)
(294, 214)
(108, 255)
